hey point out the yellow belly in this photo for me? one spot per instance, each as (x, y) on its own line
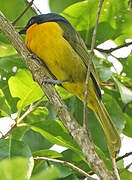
(47, 42)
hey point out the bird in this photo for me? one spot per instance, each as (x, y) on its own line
(53, 39)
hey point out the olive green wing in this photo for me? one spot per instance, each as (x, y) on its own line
(80, 48)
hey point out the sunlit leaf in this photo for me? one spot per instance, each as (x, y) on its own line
(22, 85)
(59, 5)
(115, 17)
(4, 106)
(47, 153)
(126, 94)
(125, 174)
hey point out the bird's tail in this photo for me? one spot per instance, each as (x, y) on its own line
(112, 136)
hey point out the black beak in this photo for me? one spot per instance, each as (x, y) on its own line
(23, 31)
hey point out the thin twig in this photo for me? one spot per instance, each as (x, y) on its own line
(23, 12)
(65, 163)
(117, 177)
(114, 49)
(128, 166)
(89, 65)
(112, 84)
(36, 10)
(124, 156)
(30, 109)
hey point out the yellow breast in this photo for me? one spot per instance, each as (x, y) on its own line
(47, 42)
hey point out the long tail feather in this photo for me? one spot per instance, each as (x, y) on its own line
(112, 136)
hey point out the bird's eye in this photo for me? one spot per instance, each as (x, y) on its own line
(31, 21)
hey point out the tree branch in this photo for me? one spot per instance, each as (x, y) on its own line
(124, 156)
(114, 49)
(78, 133)
(65, 163)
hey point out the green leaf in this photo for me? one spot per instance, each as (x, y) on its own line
(10, 148)
(51, 173)
(36, 141)
(72, 157)
(47, 153)
(103, 70)
(64, 170)
(12, 13)
(6, 49)
(115, 17)
(126, 94)
(125, 174)
(63, 93)
(22, 85)
(127, 66)
(8, 67)
(8, 63)
(19, 132)
(4, 106)
(71, 177)
(104, 73)
(116, 113)
(128, 126)
(59, 5)
(104, 158)
(14, 169)
(82, 15)
(55, 132)
(40, 113)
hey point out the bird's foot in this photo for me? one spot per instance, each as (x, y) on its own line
(54, 82)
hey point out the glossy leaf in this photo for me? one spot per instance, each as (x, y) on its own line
(10, 148)
(59, 5)
(50, 173)
(12, 9)
(116, 113)
(4, 106)
(55, 132)
(125, 174)
(127, 66)
(71, 177)
(41, 112)
(22, 86)
(36, 141)
(115, 17)
(47, 153)
(8, 67)
(126, 94)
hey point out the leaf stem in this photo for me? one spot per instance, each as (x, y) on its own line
(65, 163)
